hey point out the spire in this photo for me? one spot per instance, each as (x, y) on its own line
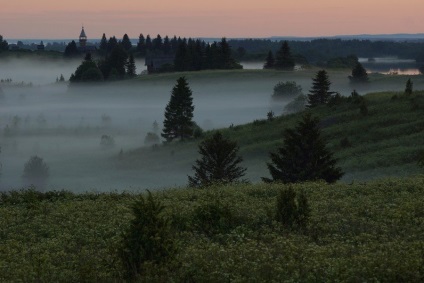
(82, 32)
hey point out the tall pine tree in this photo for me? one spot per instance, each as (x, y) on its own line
(131, 69)
(320, 92)
(178, 122)
(303, 156)
(284, 59)
(270, 61)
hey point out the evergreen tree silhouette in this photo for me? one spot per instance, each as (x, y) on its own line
(219, 162)
(303, 156)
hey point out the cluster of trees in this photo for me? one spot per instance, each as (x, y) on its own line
(195, 55)
(117, 65)
(283, 60)
(302, 157)
(3, 44)
(146, 45)
(322, 50)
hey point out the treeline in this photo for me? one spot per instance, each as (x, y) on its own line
(196, 55)
(320, 50)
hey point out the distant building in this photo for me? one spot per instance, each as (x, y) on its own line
(40, 47)
(83, 46)
(156, 63)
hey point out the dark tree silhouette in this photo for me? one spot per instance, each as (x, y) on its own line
(103, 45)
(284, 59)
(141, 45)
(86, 72)
(359, 74)
(71, 49)
(4, 46)
(270, 61)
(131, 68)
(409, 87)
(149, 44)
(157, 43)
(36, 172)
(179, 113)
(118, 60)
(303, 156)
(126, 43)
(219, 162)
(320, 92)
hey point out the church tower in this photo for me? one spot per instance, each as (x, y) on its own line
(83, 38)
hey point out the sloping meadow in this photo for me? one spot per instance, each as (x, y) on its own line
(356, 232)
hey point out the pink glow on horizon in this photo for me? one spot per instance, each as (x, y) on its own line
(57, 19)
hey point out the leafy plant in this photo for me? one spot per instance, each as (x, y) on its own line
(148, 238)
(292, 209)
(212, 218)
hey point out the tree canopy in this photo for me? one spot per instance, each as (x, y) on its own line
(359, 74)
(320, 92)
(284, 59)
(219, 162)
(178, 122)
(303, 156)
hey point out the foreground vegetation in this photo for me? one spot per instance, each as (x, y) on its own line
(355, 233)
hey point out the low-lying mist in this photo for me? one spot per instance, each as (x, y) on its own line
(64, 125)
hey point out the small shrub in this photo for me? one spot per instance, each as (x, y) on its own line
(297, 105)
(147, 239)
(270, 115)
(286, 90)
(335, 99)
(292, 210)
(213, 218)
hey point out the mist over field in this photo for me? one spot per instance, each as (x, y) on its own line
(64, 125)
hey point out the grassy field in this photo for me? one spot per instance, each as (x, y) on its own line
(386, 142)
(359, 232)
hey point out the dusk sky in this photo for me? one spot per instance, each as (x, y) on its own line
(194, 18)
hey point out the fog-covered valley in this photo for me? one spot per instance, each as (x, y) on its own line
(64, 125)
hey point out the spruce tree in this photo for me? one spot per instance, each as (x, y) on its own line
(303, 156)
(126, 43)
(284, 59)
(141, 45)
(167, 48)
(179, 113)
(149, 44)
(270, 61)
(320, 92)
(408, 87)
(131, 69)
(219, 162)
(103, 45)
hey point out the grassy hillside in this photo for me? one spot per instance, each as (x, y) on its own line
(385, 142)
(360, 232)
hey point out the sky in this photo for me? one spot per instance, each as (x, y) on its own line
(53, 19)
